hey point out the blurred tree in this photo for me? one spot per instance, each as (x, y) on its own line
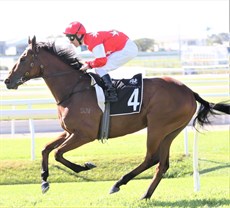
(218, 38)
(145, 44)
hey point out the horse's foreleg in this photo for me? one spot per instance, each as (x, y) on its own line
(45, 159)
(73, 142)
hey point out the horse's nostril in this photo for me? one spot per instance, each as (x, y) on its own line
(7, 81)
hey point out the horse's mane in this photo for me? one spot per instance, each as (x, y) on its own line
(66, 54)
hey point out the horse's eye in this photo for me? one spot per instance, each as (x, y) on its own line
(23, 58)
(27, 74)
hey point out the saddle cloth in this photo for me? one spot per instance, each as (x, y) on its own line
(129, 91)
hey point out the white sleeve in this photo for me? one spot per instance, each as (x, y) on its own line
(99, 51)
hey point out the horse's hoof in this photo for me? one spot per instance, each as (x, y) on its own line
(145, 197)
(45, 186)
(114, 189)
(90, 165)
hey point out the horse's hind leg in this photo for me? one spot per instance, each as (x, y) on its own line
(163, 164)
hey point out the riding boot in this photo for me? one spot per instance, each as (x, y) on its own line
(110, 91)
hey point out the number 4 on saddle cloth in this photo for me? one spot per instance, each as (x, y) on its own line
(129, 93)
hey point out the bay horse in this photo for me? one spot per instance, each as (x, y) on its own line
(167, 108)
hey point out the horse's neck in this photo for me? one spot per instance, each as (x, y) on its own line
(61, 79)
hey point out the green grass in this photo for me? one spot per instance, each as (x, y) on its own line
(20, 177)
(170, 193)
(113, 159)
(156, 63)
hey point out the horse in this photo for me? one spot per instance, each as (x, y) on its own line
(167, 108)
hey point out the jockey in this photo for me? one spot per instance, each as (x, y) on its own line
(111, 50)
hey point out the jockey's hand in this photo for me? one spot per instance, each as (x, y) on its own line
(84, 67)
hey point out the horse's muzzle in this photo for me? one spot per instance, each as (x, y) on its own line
(11, 85)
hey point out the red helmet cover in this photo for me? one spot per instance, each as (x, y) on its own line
(75, 28)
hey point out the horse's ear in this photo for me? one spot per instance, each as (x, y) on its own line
(29, 40)
(33, 41)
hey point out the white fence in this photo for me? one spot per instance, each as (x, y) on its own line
(28, 113)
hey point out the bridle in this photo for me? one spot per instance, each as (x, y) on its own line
(27, 76)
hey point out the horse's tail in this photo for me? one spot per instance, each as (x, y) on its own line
(207, 109)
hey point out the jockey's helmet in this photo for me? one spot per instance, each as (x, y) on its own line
(75, 28)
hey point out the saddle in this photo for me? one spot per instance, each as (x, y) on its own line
(130, 94)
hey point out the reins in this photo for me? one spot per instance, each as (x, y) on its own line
(74, 92)
(56, 74)
(68, 96)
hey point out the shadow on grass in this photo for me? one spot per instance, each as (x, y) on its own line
(72, 173)
(218, 167)
(194, 203)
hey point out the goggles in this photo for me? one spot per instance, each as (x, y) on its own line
(71, 37)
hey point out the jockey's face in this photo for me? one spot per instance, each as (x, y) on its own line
(73, 40)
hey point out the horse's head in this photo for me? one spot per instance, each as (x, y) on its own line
(29, 64)
(27, 67)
